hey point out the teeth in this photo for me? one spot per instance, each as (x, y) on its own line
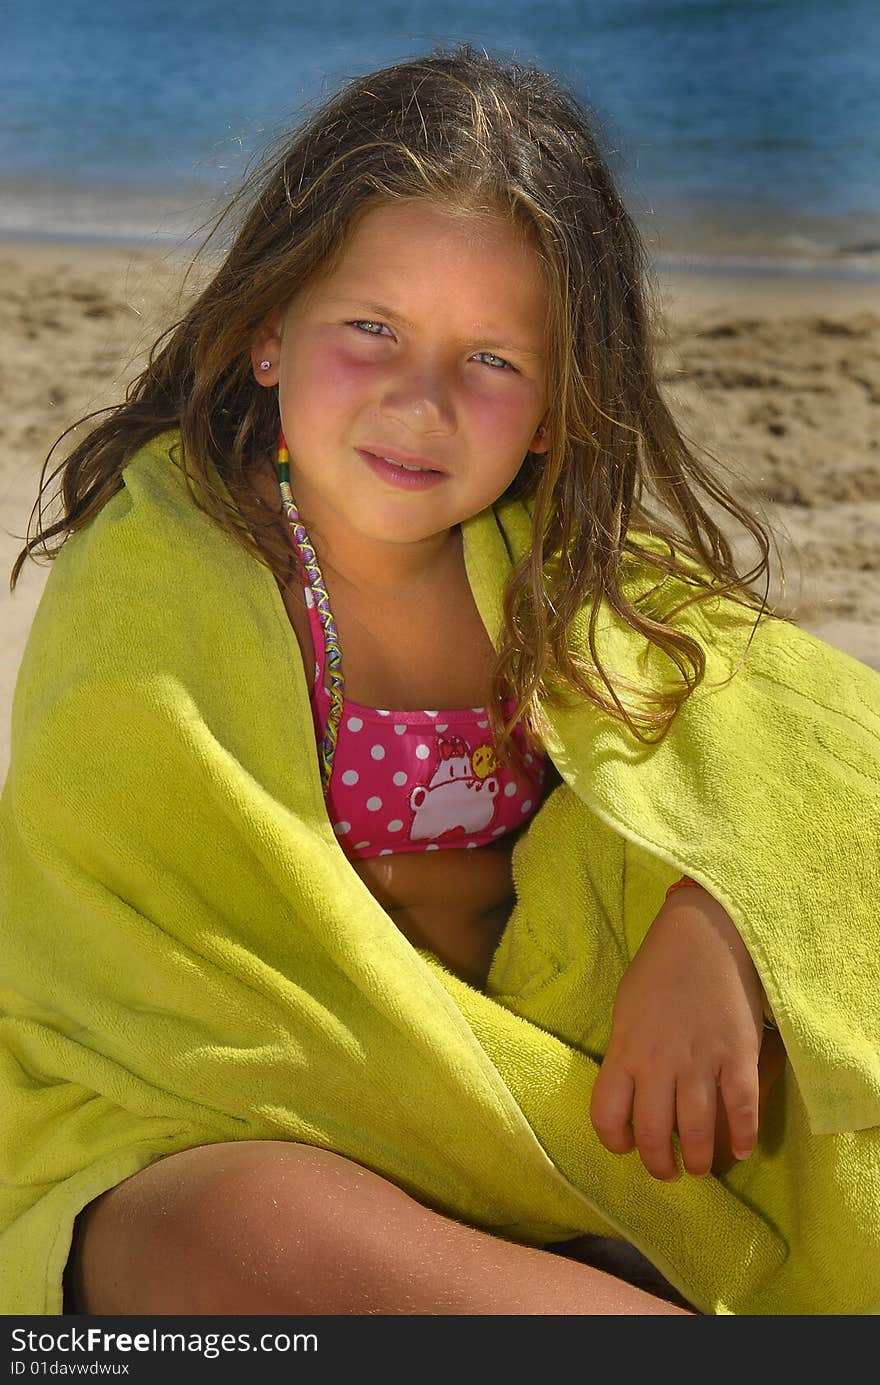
(404, 465)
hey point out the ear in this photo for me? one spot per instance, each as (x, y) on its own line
(541, 441)
(266, 346)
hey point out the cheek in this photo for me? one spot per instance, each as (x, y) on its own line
(322, 379)
(507, 416)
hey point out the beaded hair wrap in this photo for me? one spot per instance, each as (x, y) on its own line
(309, 559)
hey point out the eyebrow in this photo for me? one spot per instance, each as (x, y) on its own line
(393, 316)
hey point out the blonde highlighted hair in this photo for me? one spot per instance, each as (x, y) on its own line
(476, 135)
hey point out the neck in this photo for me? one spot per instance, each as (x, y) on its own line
(389, 574)
(382, 572)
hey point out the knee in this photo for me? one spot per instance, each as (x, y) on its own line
(282, 1227)
(258, 1186)
(255, 1226)
(293, 1208)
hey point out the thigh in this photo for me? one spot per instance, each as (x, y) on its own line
(184, 1234)
(263, 1227)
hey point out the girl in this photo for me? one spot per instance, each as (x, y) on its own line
(435, 305)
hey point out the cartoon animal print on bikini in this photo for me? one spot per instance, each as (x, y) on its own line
(460, 795)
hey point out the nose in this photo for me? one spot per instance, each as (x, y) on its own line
(419, 395)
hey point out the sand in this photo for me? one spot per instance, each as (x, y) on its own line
(778, 377)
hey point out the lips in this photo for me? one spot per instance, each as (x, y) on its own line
(398, 454)
(400, 477)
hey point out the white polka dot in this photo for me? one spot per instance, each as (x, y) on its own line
(382, 713)
(442, 726)
(374, 804)
(399, 778)
(354, 723)
(431, 714)
(387, 851)
(377, 752)
(482, 725)
(359, 846)
(526, 806)
(310, 600)
(510, 790)
(528, 759)
(432, 846)
(478, 709)
(317, 669)
(470, 846)
(340, 828)
(399, 730)
(350, 776)
(499, 831)
(394, 826)
(422, 751)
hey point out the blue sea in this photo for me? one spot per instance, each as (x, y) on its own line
(745, 134)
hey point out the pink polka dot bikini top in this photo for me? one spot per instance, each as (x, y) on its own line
(407, 781)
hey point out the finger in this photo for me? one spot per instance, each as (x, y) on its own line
(722, 1160)
(611, 1107)
(770, 1065)
(696, 1100)
(653, 1121)
(738, 1085)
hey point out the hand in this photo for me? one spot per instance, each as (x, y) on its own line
(687, 1027)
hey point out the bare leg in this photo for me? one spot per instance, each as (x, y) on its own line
(273, 1227)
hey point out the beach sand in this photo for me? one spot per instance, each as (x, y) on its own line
(778, 377)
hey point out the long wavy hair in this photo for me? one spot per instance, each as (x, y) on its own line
(621, 482)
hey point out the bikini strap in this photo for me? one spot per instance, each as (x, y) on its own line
(332, 651)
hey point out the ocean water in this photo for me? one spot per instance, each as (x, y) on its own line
(745, 134)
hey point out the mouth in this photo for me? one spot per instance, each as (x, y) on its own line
(406, 461)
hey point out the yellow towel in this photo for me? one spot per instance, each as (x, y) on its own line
(186, 955)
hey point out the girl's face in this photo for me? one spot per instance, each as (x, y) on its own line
(427, 341)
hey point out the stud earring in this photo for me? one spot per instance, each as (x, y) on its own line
(265, 365)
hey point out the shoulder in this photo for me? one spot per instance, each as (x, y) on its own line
(150, 508)
(740, 641)
(107, 571)
(151, 534)
(150, 587)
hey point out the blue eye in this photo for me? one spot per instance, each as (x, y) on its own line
(374, 329)
(505, 365)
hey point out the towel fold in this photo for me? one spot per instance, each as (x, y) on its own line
(188, 957)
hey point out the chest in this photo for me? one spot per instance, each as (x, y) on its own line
(456, 903)
(412, 655)
(435, 653)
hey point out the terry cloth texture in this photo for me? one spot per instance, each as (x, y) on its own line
(186, 955)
